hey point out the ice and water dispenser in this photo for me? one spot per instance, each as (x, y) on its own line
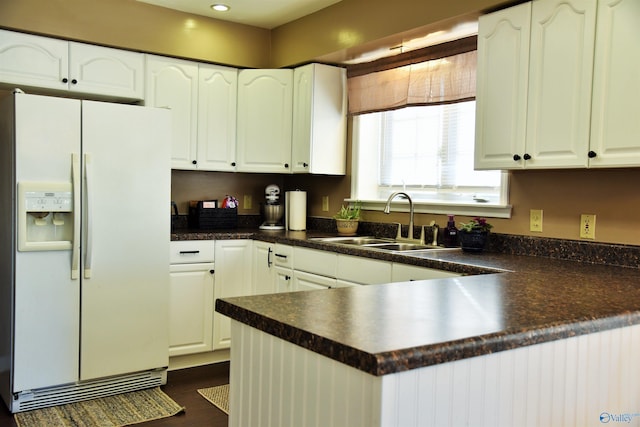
(45, 216)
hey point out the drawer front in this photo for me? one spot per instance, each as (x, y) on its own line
(283, 256)
(315, 261)
(191, 251)
(363, 270)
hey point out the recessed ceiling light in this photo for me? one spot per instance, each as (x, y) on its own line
(220, 7)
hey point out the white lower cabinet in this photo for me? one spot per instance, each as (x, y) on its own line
(263, 281)
(406, 273)
(233, 278)
(191, 297)
(191, 309)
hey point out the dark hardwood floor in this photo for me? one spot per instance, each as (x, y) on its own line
(181, 386)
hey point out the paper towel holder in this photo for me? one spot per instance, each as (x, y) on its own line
(300, 202)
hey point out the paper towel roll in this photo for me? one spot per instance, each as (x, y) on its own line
(297, 210)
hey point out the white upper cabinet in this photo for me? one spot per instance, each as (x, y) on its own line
(319, 120)
(265, 99)
(46, 63)
(560, 78)
(217, 99)
(202, 98)
(583, 69)
(501, 88)
(615, 128)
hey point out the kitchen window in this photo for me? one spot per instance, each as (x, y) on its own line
(414, 131)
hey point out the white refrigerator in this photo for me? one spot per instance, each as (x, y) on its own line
(84, 247)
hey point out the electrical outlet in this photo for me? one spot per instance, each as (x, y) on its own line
(535, 220)
(248, 202)
(588, 226)
(325, 203)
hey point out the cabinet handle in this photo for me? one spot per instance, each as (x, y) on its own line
(189, 252)
(286, 165)
(74, 81)
(287, 277)
(516, 157)
(527, 157)
(194, 162)
(65, 80)
(305, 165)
(281, 256)
(592, 154)
(212, 271)
(269, 258)
(233, 164)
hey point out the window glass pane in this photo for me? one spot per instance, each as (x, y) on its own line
(427, 150)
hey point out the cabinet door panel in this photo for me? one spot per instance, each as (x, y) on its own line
(615, 128)
(264, 120)
(233, 279)
(106, 71)
(173, 84)
(191, 309)
(217, 99)
(501, 93)
(560, 77)
(33, 61)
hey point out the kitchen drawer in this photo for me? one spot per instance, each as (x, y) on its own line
(191, 251)
(363, 270)
(315, 261)
(406, 273)
(283, 256)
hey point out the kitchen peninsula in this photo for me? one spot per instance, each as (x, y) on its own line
(544, 342)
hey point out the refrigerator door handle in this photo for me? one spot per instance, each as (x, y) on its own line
(89, 216)
(76, 185)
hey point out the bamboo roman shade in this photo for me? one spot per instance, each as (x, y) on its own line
(439, 75)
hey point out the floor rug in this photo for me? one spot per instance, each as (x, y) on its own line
(219, 396)
(113, 411)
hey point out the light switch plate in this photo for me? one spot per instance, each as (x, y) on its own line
(325, 203)
(248, 202)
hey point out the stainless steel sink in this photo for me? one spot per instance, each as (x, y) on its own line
(377, 243)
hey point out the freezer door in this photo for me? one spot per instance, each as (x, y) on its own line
(126, 233)
(47, 300)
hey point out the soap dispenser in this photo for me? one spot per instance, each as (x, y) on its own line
(450, 239)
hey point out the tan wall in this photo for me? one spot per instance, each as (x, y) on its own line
(351, 26)
(142, 27)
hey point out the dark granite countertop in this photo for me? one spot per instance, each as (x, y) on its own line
(506, 302)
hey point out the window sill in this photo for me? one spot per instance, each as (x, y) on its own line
(471, 209)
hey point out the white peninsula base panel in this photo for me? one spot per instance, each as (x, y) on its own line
(570, 382)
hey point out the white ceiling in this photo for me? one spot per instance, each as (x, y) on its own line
(258, 13)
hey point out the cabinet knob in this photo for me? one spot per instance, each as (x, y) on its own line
(233, 164)
(74, 81)
(592, 154)
(194, 162)
(286, 165)
(287, 277)
(65, 80)
(516, 157)
(306, 165)
(526, 156)
(212, 271)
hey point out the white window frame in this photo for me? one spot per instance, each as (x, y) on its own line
(499, 210)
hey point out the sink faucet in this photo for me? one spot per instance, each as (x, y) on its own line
(387, 210)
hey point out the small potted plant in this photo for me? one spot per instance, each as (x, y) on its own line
(347, 219)
(473, 234)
